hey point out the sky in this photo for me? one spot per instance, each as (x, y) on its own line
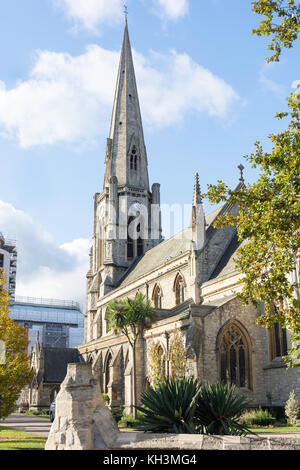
(206, 95)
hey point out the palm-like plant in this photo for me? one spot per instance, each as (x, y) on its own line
(131, 317)
(218, 410)
(170, 407)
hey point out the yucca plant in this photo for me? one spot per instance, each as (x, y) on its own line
(218, 410)
(170, 406)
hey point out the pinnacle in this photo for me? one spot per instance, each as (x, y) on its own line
(197, 191)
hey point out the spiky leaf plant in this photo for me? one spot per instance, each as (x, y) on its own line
(170, 406)
(218, 410)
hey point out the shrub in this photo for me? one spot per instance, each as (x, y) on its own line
(292, 409)
(170, 407)
(258, 417)
(43, 412)
(117, 413)
(218, 410)
(105, 398)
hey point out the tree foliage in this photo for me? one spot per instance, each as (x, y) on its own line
(268, 224)
(131, 316)
(178, 357)
(282, 23)
(156, 369)
(15, 372)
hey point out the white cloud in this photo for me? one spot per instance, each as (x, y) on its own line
(173, 9)
(69, 98)
(91, 13)
(45, 269)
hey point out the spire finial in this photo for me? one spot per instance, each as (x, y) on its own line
(197, 191)
(241, 168)
(125, 12)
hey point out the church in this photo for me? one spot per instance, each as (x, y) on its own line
(190, 278)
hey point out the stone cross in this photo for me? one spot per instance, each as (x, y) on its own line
(241, 168)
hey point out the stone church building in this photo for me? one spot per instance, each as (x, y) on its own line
(190, 278)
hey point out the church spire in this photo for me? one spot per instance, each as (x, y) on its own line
(126, 156)
(198, 217)
(197, 192)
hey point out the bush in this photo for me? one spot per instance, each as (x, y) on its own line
(257, 417)
(218, 410)
(170, 407)
(292, 409)
(105, 398)
(128, 420)
(43, 412)
(117, 413)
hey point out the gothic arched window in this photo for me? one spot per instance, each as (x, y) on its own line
(157, 296)
(234, 356)
(278, 341)
(135, 246)
(179, 290)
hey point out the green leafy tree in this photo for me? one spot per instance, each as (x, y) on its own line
(281, 23)
(15, 370)
(268, 224)
(131, 317)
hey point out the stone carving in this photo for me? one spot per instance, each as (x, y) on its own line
(82, 421)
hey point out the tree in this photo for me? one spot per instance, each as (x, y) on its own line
(131, 317)
(269, 225)
(282, 23)
(15, 370)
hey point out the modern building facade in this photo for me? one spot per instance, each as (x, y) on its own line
(8, 263)
(60, 324)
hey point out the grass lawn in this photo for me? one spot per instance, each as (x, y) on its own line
(276, 429)
(10, 439)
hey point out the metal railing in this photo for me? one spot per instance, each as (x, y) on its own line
(70, 304)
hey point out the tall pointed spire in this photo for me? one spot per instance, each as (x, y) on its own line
(198, 217)
(197, 192)
(126, 156)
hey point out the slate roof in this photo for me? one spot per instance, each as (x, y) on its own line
(163, 253)
(56, 363)
(227, 263)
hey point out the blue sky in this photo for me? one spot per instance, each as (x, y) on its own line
(206, 96)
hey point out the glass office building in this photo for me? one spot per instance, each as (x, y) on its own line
(8, 263)
(60, 324)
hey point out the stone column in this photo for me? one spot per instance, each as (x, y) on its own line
(82, 421)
